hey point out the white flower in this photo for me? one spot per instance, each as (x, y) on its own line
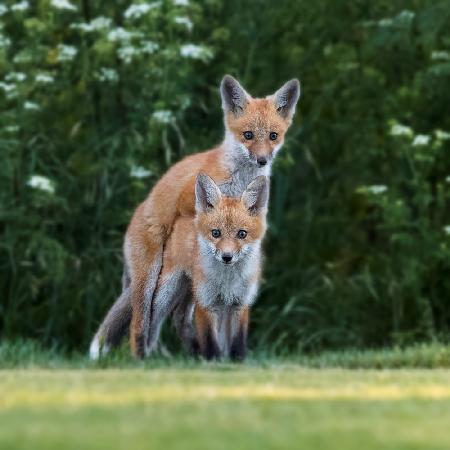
(136, 11)
(440, 55)
(126, 54)
(97, 24)
(447, 179)
(11, 129)
(3, 9)
(185, 21)
(149, 47)
(421, 139)
(163, 116)
(195, 52)
(447, 229)
(181, 2)
(63, 4)
(406, 15)
(385, 22)
(21, 6)
(41, 183)
(7, 87)
(31, 106)
(44, 78)
(4, 41)
(376, 189)
(442, 135)
(16, 76)
(120, 35)
(401, 130)
(66, 52)
(106, 74)
(139, 172)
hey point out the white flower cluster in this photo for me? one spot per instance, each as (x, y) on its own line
(4, 41)
(11, 129)
(149, 47)
(63, 4)
(7, 87)
(121, 35)
(163, 116)
(108, 75)
(41, 183)
(31, 106)
(98, 24)
(3, 9)
(139, 172)
(401, 130)
(126, 53)
(440, 55)
(193, 51)
(66, 52)
(181, 2)
(138, 10)
(421, 140)
(442, 135)
(21, 6)
(375, 189)
(447, 229)
(404, 16)
(185, 21)
(15, 77)
(447, 179)
(44, 78)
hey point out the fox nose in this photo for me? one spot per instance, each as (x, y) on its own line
(261, 160)
(227, 257)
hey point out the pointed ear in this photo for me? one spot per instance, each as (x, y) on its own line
(207, 194)
(234, 97)
(286, 98)
(256, 196)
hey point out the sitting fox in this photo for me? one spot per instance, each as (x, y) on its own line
(219, 254)
(254, 133)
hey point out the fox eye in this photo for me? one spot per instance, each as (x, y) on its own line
(273, 136)
(241, 234)
(248, 135)
(215, 233)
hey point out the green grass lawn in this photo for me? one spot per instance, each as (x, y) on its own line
(265, 404)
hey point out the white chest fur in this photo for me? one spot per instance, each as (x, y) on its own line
(228, 285)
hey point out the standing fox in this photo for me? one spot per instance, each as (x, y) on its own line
(254, 133)
(219, 254)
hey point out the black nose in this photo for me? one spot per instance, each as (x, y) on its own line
(227, 257)
(261, 161)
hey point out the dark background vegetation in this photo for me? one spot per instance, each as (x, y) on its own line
(358, 247)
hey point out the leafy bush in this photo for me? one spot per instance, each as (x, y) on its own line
(99, 99)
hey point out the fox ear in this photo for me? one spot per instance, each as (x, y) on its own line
(256, 195)
(286, 98)
(234, 97)
(207, 194)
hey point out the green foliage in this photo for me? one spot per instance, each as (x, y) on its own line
(98, 99)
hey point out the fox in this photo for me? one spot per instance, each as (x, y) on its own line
(217, 255)
(255, 129)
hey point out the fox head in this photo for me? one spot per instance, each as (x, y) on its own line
(230, 228)
(255, 127)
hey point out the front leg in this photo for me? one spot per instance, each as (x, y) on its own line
(238, 333)
(206, 326)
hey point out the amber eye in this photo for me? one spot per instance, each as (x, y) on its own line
(273, 136)
(248, 135)
(241, 234)
(215, 233)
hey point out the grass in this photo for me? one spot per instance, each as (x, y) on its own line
(317, 402)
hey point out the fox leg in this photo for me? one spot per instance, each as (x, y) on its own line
(238, 326)
(206, 326)
(183, 322)
(171, 290)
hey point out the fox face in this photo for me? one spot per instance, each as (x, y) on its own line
(229, 229)
(255, 127)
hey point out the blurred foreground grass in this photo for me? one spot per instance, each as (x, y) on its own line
(50, 402)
